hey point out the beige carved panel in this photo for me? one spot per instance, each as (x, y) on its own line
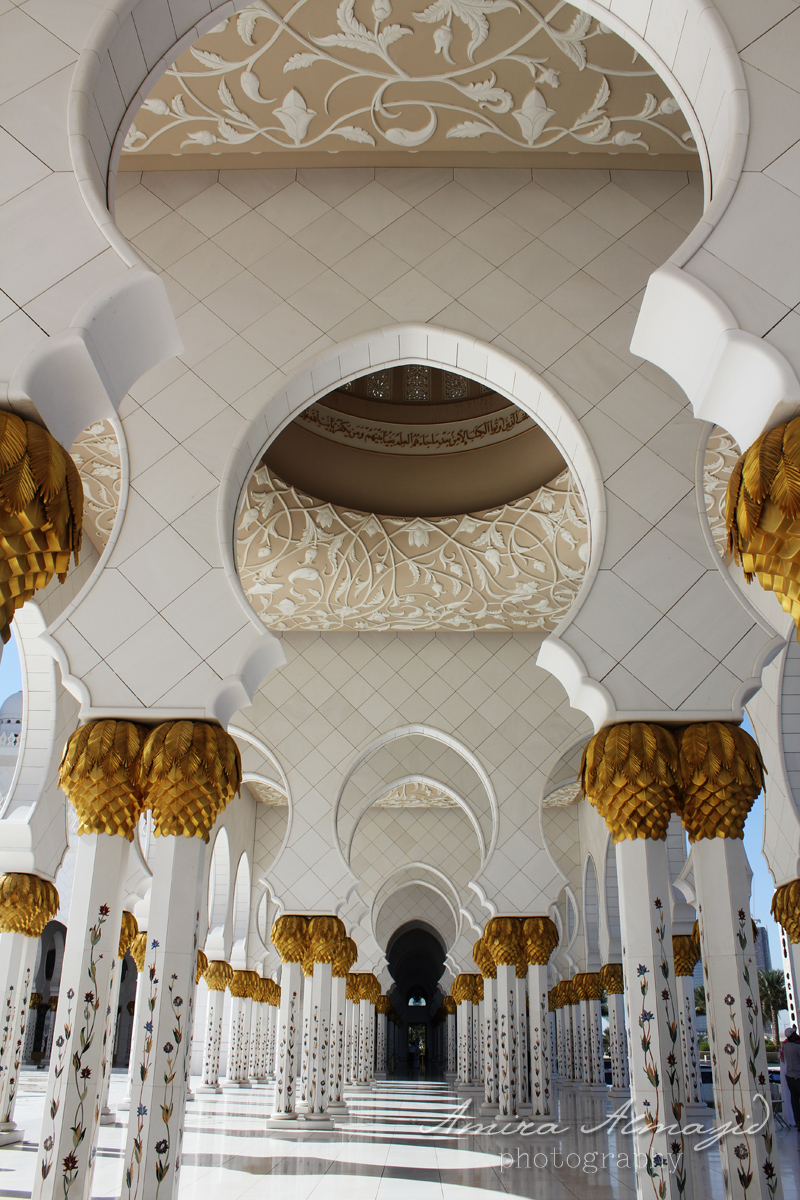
(96, 455)
(416, 794)
(309, 565)
(299, 80)
(721, 454)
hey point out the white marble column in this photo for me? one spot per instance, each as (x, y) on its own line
(17, 961)
(218, 975)
(274, 1016)
(138, 953)
(65, 1158)
(258, 1030)
(656, 1062)
(611, 976)
(539, 1027)
(363, 1042)
(521, 1008)
(686, 953)
(305, 1035)
(489, 1033)
(351, 1039)
(733, 1006)
(382, 1010)
(286, 1045)
(319, 1045)
(452, 1042)
(506, 1040)
(128, 932)
(337, 1064)
(162, 1041)
(477, 1041)
(240, 988)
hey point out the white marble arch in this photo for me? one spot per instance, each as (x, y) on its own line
(219, 895)
(437, 735)
(418, 875)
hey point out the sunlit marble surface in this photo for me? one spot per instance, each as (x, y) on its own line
(398, 1136)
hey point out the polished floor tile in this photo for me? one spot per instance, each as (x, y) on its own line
(400, 1140)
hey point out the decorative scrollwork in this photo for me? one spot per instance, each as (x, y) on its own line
(309, 565)
(95, 453)
(526, 80)
(722, 453)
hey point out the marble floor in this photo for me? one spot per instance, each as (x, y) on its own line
(400, 1140)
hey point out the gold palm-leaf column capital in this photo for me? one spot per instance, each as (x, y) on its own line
(27, 903)
(503, 937)
(202, 965)
(189, 771)
(218, 975)
(539, 940)
(629, 774)
(483, 959)
(587, 985)
(345, 959)
(685, 953)
(351, 988)
(127, 932)
(476, 990)
(785, 908)
(762, 514)
(138, 949)
(325, 937)
(290, 937)
(449, 1005)
(383, 1004)
(99, 771)
(41, 513)
(612, 978)
(721, 773)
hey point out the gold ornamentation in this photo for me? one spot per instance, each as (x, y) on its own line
(588, 985)
(685, 953)
(138, 949)
(483, 959)
(785, 908)
(762, 514)
(721, 773)
(290, 938)
(352, 989)
(629, 774)
(460, 988)
(190, 771)
(325, 937)
(127, 932)
(539, 940)
(242, 984)
(345, 958)
(449, 1006)
(503, 938)
(27, 903)
(382, 1004)
(612, 979)
(305, 564)
(35, 1000)
(99, 772)
(218, 975)
(41, 513)
(202, 965)
(476, 994)
(52, 1004)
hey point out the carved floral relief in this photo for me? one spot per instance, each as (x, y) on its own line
(310, 565)
(499, 75)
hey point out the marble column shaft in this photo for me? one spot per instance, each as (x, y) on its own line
(336, 1065)
(452, 1044)
(539, 1032)
(286, 1044)
(319, 1041)
(617, 1041)
(162, 1040)
(522, 1040)
(17, 961)
(65, 1159)
(733, 1006)
(213, 1039)
(506, 1040)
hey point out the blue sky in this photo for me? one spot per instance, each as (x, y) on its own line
(10, 678)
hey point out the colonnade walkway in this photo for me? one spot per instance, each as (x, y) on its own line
(399, 1140)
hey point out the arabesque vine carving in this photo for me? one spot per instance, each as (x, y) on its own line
(95, 453)
(415, 794)
(399, 74)
(722, 452)
(309, 565)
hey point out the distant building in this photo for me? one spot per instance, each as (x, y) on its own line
(763, 953)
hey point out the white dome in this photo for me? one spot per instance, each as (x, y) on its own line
(11, 710)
